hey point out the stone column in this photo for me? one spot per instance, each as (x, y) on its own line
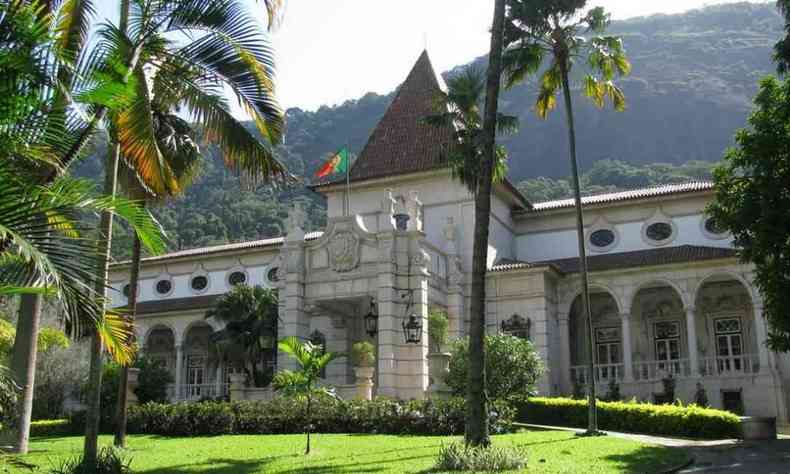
(236, 391)
(389, 329)
(218, 381)
(414, 374)
(455, 282)
(179, 369)
(564, 352)
(761, 333)
(292, 257)
(628, 366)
(691, 333)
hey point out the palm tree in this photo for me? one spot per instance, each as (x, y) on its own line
(227, 49)
(35, 131)
(312, 360)
(250, 317)
(553, 29)
(181, 155)
(477, 161)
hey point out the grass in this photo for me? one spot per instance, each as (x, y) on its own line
(547, 451)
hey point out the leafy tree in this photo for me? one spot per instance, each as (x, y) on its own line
(250, 317)
(752, 202)
(303, 383)
(513, 367)
(50, 339)
(224, 47)
(153, 380)
(782, 47)
(553, 29)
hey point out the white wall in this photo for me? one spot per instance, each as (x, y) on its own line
(218, 284)
(540, 242)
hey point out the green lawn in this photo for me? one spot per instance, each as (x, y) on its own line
(548, 451)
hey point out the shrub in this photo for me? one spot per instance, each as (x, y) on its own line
(51, 428)
(108, 461)
(152, 381)
(8, 398)
(60, 373)
(287, 415)
(363, 354)
(457, 457)
(512, 367)
(671, 420)
(437, 329)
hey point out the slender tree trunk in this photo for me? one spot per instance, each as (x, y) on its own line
(477, 403)
(309, 422)
(123, 386)
(23, 365)
(93, 416)
(592, 417)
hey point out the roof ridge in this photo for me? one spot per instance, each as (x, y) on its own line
(627, 194)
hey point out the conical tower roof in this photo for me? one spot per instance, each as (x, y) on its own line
(400, 143)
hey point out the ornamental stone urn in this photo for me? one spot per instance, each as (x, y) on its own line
(236, 390)
(363, 356)
(438, 368)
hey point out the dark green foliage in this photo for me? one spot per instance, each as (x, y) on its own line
(9, 392)
(512, 367)
(645, 418)
(613, 392)
(701, 396)
(108, 461)
(287, 415)
(752, 202)
(152, 380)
(250, 332)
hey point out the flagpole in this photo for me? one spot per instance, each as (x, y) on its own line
(348, 182)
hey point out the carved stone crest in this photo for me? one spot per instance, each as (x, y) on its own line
(344, 251)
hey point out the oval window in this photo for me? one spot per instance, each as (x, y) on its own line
(127, 289)
(199, 283)
(713, 227)
(271, 275)
(163, 287)
(237, 278)
(602, 238)
(659, 231)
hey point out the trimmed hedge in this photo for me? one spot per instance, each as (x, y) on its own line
(40, 428)
(670, 420)
(288, 415)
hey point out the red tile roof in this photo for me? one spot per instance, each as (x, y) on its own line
(608, 198)
(613, 261)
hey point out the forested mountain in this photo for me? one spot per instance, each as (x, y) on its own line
(693, 78)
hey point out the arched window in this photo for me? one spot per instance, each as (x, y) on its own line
(517, 326)
(317, 338)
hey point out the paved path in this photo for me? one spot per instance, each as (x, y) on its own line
(727, 456)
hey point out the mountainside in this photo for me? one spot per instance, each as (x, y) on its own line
(693, 78)
(691, 87)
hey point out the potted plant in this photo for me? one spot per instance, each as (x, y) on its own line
(438, 358)
(363, 356)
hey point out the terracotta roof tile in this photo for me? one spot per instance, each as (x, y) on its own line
(400, 143)
(652, 191)
(637, 258)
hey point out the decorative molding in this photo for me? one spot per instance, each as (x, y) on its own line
(343, 251)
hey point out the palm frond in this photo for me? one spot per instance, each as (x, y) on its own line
(521, 61)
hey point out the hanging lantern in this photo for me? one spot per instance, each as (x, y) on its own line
(372, 320)
(412, 330)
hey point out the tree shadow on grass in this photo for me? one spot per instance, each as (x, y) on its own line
(215, 466)
(651, 459)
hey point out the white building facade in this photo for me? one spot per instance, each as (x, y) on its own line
(670, 298)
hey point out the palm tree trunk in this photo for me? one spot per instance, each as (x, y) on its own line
(23, 365)
(477, 410)
(123, 385)
(592, 417)
(93, 415)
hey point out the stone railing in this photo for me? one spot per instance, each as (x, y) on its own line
(660, 369)
(438, 264)
(729, 366)
(603, 372)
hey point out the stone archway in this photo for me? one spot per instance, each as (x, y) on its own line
(607, 339)
(662, 344)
